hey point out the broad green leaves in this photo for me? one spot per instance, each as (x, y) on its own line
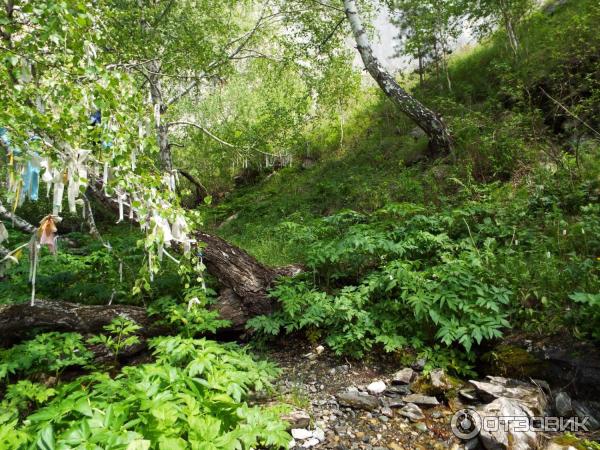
(171, 404)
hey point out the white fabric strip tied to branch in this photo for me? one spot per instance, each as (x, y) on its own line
(47, 176)
(77, 176)
(120, 201)
(3, 233)
(59, 188)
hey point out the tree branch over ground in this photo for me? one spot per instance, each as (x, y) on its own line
(245, 282)
(18, 222)
(201, 128)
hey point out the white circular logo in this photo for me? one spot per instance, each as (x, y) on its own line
(466, 424)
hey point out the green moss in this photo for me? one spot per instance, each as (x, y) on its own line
(423, 385)
(511, 361)
(573, 441)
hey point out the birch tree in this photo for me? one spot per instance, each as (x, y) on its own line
(430, 122)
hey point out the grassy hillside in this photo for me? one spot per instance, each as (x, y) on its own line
(515, 204)
(506, 130)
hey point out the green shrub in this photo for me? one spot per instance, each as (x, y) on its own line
(49, 353)
(194, 396)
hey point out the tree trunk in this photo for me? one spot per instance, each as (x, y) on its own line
(426, 119)
(245, 281)
(201, 191)
(17, 319)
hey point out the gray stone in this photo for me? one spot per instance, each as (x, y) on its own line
(393, 403)
(387, 411)
(505, 437)
(404, 376)
(423, 400)
(524, 393)
(384, 418)
(397, 390)
(310, 443)
(562, 403)
(439, 380)
(297, 418)
(472, 444)
(468, 394)
(358, 400)
(543, 385)
(412, 412)
(582, 411)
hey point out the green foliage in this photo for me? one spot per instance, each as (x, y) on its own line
(91, 273)
(21, 398)
(49, 353)
(404, 276)
(587, 316)
(401, 285)
(121, 334)
(193, 397)
(191, 318)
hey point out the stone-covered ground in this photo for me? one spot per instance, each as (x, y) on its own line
(376, 404)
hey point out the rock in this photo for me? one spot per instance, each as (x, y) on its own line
(358, 400)
(419, 364)
(394, 403)
(412, 412)
(297, 418)
(504, 437)
(319, 434)
(320, 349)
(301, 433)
(472, 444)
(567, 362)
(376, 387)
(396, 391)
(562, 403)
(310, 443)
(543, 385)
(500, 387)
(384, 419)
(582, 411)
(387, 411)
(419, 399)
(292, 443)
(404, 376)
(468, 394)
(439, 380)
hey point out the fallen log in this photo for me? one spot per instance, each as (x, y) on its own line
(18, 319)
(244, 281)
